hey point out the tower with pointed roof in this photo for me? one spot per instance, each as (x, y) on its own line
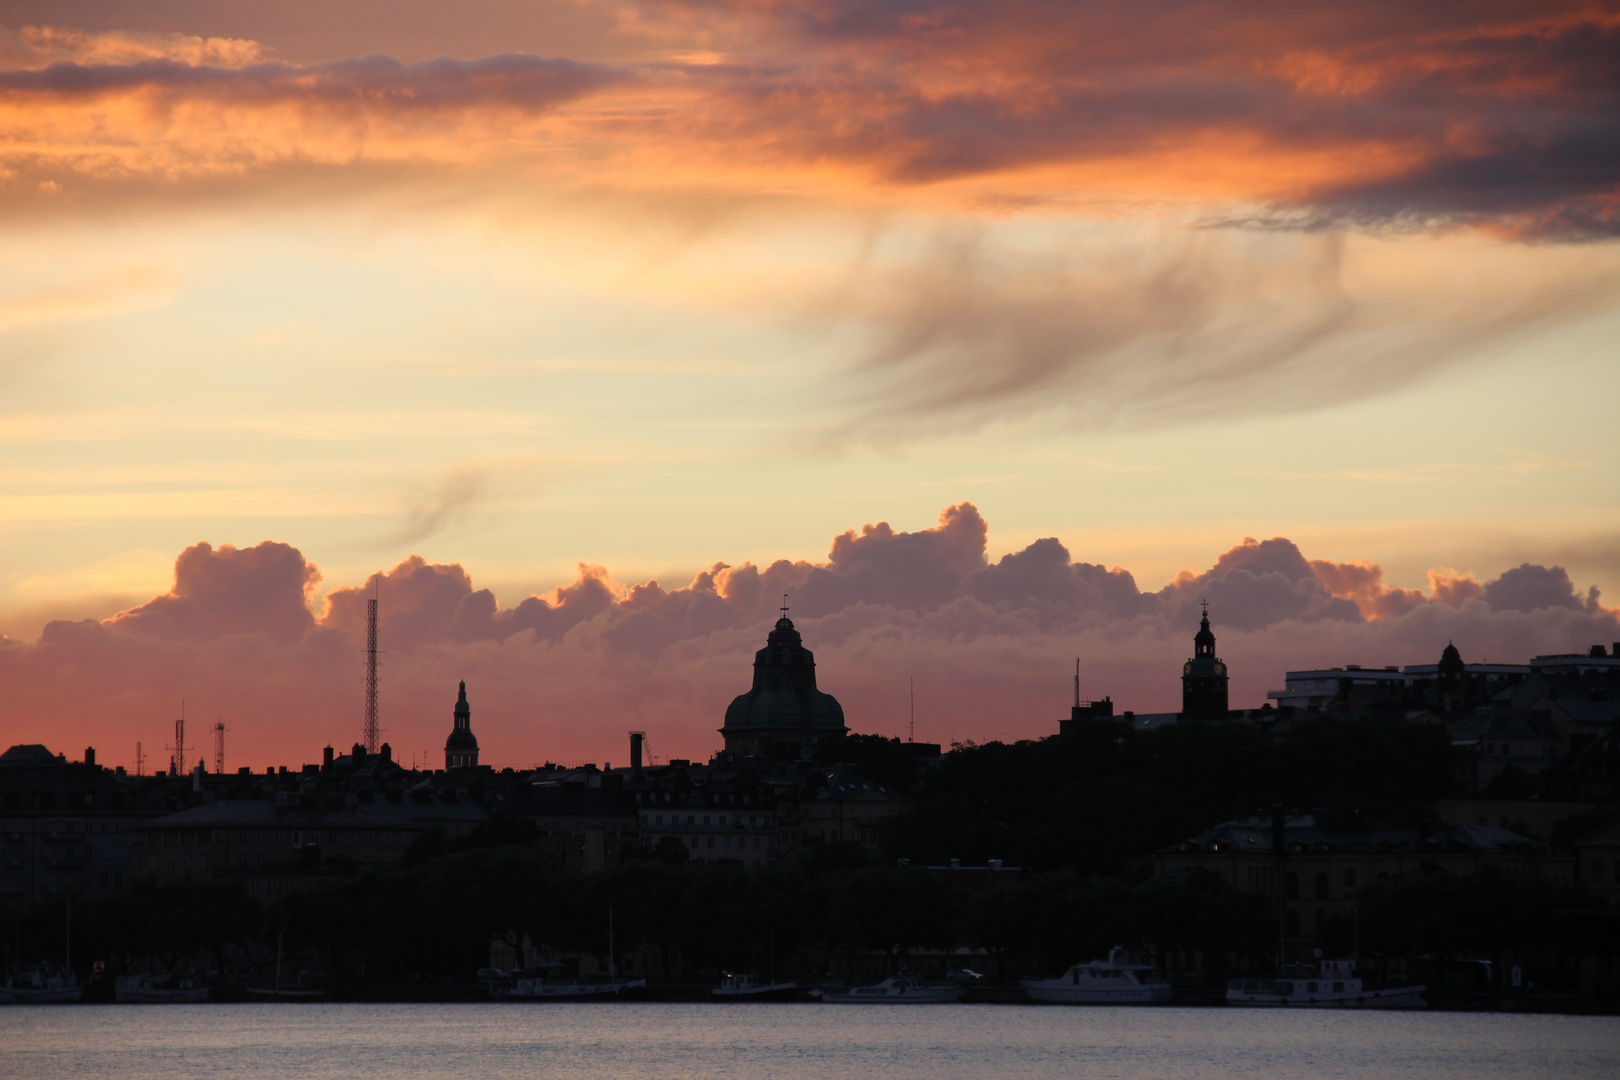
(784, 715)
(461, 748)
(1203, 677)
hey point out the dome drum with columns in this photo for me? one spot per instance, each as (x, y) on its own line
(784, 715)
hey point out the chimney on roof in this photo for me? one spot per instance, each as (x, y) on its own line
(326, 759)
(386, 751)
(89, 755)
(1597, 652)
(358, 753)
(636, 738)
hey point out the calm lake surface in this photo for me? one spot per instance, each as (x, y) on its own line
(790, 1042)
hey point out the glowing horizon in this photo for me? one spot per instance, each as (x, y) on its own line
(652, 287)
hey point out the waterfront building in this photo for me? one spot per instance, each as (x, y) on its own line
(1314, 869)
(65, 825)
(849, 808)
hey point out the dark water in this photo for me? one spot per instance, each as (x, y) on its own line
(791, 1042)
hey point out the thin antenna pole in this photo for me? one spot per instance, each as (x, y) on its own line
(1077, 682)
(219, 748)
(140, 760)
(911, 735)
(370, 734)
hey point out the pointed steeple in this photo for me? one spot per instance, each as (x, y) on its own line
(461, 748)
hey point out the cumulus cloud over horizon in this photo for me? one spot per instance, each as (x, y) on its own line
(563, 675)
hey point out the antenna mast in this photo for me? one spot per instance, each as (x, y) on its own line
(178, 762)
(1077, 682)
(911, 733)
(370, 738)
(219, 748)
(140, 761)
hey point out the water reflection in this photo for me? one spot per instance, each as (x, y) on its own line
(791, 1042)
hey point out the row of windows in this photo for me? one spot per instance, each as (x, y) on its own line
(1547, 750)
(297, 837)
(742, 821)
(654, 796)
(725, 843)
(88, 826)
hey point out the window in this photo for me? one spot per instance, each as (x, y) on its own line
(694, 842)
(1291, 921)
(1321, 886)
(1291, 887)
(1349, 879)
(711, 843)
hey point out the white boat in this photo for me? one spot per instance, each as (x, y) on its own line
(159, 989)
(899, 990)
(749, 988)
(41, 986)
(1334, 986)
(542, 989)
(1102, 982)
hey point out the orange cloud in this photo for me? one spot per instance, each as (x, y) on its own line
(1451, 588)
(1363, 582)
(1496, 114)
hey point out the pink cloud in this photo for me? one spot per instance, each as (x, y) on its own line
(991, 644)
(263, 589)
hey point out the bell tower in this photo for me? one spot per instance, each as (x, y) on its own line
(1203, 677)
(461, 748)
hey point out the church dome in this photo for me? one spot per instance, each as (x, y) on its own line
(1451, 661)
(784, 699)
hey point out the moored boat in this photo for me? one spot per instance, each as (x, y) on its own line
(1102, 982)
(1334, 986)
(899, 990)
(568, 989)
(159, 989)
(749, 988)
(43, 985)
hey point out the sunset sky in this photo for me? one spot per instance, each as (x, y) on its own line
(1102, 308)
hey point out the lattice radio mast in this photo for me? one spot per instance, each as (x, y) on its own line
(140, 761)
(219, 748)
(370, 738)
(178, 761)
